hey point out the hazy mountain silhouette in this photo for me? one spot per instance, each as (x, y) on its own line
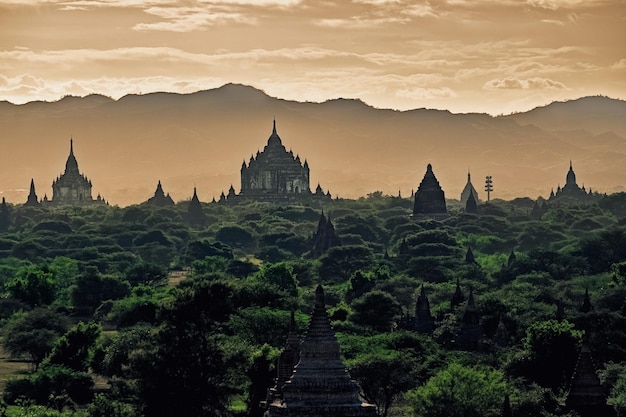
(125, 146)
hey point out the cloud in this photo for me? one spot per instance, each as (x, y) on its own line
(621, 64)
(513, 83)
(187, 19)
(426, 93)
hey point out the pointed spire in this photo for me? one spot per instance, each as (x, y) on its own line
(586, 307)
(32, 195)
(274, 128)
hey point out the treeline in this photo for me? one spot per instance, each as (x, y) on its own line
(139, 311)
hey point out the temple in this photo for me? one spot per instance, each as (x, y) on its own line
(424, 321)
(195, 215)
(324, 237)
(72, 187)
(586, 396)
(275, 174)
(430, 200)
(468, 191)
(160, 199)
(571, 190)
(319, 385)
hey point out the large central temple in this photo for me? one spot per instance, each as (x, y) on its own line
(275, 174)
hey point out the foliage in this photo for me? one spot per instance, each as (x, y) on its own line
(33, 333)
(460, 391)
(73, 350)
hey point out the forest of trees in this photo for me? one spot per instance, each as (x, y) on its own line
(134, 311)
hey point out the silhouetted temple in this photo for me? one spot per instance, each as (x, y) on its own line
(319, 385)
(5, 216)
(429, 198)
(324, 237)
(586, 396)
(160, 199)
(195, 215)
(32, 195)
(424, 321)
(471, 331)
(471, 205)
(468, 191)
(571, 190)
(72, 187)
(275, 174)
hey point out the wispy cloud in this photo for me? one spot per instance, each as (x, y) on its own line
(513, 83)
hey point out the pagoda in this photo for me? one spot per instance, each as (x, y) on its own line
(32, 195)
(324, 237)
(195, 215)
(430, 200)
(470, 331)
(424, 320)
(72, 187)
(468, 191)
(586, 396)
(275, 174)
(160, 199)
(320, 385)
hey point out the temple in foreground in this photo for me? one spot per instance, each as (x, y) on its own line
(319, 385)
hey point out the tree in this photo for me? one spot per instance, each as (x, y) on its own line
(340, 262)
(33, 285)
(279, 275)
(617, 398)
(145, 273)
(92, 289)
(376, 309)
(33, 333)
(460, 391)
(552, 348)
(383, 377)
(74, 348)
(188, 371)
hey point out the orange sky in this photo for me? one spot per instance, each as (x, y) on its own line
(495, 56)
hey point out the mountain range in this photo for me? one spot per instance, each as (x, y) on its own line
(126, 146)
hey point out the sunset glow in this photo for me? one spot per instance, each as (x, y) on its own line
(465, 56)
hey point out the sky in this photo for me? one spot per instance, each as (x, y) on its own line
(493, 56)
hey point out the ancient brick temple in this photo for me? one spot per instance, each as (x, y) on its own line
(319, 385)
(275, 174)
(160, 199)
(72, 187)
(429, 198)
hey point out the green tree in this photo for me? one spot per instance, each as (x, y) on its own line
(279, 275)
(383, 377)
(376, 309)
(460, 391)
(553, 350)
(33, 285)
(340, 262)
(33, 333)
(73, 350)
(617, 398)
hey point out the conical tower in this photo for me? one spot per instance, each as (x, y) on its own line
(457, 298)
(430, 200)
(468, 191)
(586, 395)
(324, 237)
(470, 331)
(469, 257)
(195, 214)
(424, 321)
(5, 216)
(586, 306)
(320, 385)
(471, 205)
(32, 195)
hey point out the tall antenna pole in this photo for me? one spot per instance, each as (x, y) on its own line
(488, 186)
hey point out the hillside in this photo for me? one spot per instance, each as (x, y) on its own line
(126, 146)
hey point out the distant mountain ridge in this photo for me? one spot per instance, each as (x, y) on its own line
(125, 146)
